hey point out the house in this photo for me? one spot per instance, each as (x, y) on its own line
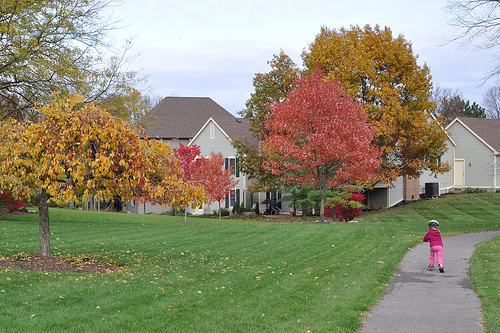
(217, 136)
(404, 189)
(201, 121)
(477, 156)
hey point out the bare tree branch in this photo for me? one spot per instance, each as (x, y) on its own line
(478, 23)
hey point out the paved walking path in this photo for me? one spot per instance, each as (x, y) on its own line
(419, 300)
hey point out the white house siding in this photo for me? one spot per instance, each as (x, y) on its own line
(445, 180)
(479, 158)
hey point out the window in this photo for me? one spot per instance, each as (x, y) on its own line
(233, 164)
(232, 198)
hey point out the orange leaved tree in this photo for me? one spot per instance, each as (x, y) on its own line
(318, 136)
(215, 180)
(77, 150)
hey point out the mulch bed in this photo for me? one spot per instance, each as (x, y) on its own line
(17, 212)
(58, 264)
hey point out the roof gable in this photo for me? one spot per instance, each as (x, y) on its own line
(205, 126)
(485, 129)
(235, 128)
(182, 117)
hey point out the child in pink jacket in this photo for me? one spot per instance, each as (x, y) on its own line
(433, 236)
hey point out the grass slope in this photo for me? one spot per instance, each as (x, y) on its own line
(485, 275)
(220, 276)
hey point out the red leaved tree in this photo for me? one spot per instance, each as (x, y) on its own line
(216, 181)
(318, 136)
(189, 161)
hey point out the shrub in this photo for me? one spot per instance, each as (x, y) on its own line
(237, 209)
(328, 211)
(8, 202)
(22, 256)
(475, 190)
(75, 260)
(223, 212)
(350, 210)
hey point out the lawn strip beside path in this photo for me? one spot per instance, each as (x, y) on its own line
(485, 276)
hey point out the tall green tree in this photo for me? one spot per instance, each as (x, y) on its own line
(450, 104)
(270, 88)
(51, 46)
(474, 110)
(298, 196)
(128, 103)
(381, 71)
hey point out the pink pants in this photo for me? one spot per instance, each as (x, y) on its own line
(438, 250)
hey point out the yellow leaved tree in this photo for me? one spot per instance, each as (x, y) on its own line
(77, 150)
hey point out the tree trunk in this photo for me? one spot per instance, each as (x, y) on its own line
(220, 213)
(322, 206)
(185, 213)
(43, 211)
(304, 214)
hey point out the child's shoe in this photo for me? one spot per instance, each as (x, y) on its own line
(441, 269)
(431, 267)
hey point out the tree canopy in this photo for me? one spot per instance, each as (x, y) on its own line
(270, 87)
(51, 46)
(450, 104)
(318, 136)
(382, 72)
(76, 151)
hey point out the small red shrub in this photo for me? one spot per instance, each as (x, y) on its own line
(347, 213)
(9, 203)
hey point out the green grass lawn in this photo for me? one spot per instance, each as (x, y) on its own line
(223, 276)
(485, 274)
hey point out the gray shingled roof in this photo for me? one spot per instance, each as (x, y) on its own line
(183, 117)
(487, 129)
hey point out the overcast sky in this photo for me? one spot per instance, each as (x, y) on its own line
(213, 48)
